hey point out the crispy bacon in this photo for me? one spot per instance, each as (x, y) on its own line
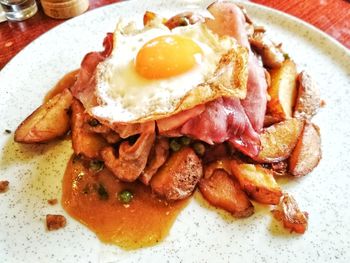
(132, 159)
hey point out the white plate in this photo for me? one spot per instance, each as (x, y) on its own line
(199, 234)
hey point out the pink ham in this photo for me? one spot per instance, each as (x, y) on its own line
(230, 20)
(84, 87)
(224, 120)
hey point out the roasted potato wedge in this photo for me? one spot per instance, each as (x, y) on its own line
(282, 91)
(271, 54)
(178, 177)
(279, 140)
(307, 153)
(289, 213)
(257, 181)
(308, 99)
(49, 121)
(84, 141)
(223, 191)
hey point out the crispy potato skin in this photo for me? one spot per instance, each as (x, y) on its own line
(308, 100)
(289, 213)
(257, 181)
(307, 153)
(282, 91)
(279, 140)
(84, 141)
(223, 191)
(49, 121)
(178, 177)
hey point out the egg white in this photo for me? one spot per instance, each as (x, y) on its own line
(125, 96)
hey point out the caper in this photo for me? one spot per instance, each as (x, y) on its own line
(199, 148)
(125, 196)
(174, 145)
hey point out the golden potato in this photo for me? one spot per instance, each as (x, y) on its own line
(50, 121)
(307, 153)
(179, 175)
(257, 181)
(282, 91)
(289, 213)
(279, 140)
(224, 192)
(83, 140)
(308, 100)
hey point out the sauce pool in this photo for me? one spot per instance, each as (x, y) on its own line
(92, 198)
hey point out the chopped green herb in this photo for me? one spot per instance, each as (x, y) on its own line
(174, 145)
(102, 193)
(125, 196)
(8, 131)
(199, 148)
(185, 140)
(96, 165)
(94, 122)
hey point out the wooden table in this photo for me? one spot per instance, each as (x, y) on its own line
(331, 16)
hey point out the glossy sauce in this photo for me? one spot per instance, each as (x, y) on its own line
(65, 82)
(145, 221)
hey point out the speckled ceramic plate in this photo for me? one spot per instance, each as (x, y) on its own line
(200, 234)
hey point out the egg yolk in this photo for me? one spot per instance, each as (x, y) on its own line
(166, 56)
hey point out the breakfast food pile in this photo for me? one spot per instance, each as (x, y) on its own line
(181, 103)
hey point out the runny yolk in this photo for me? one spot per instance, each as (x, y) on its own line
(166, 56)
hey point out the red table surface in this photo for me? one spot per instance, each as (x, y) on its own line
(331, 16)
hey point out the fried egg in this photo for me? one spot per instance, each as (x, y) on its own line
(155, 72)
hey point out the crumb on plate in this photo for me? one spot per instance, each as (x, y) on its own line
(4, 185)
(54, 222)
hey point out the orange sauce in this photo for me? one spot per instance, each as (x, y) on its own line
(65, 82)
(145, 221)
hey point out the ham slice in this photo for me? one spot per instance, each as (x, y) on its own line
(224, 119)
(229, 20)
(84, 87)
